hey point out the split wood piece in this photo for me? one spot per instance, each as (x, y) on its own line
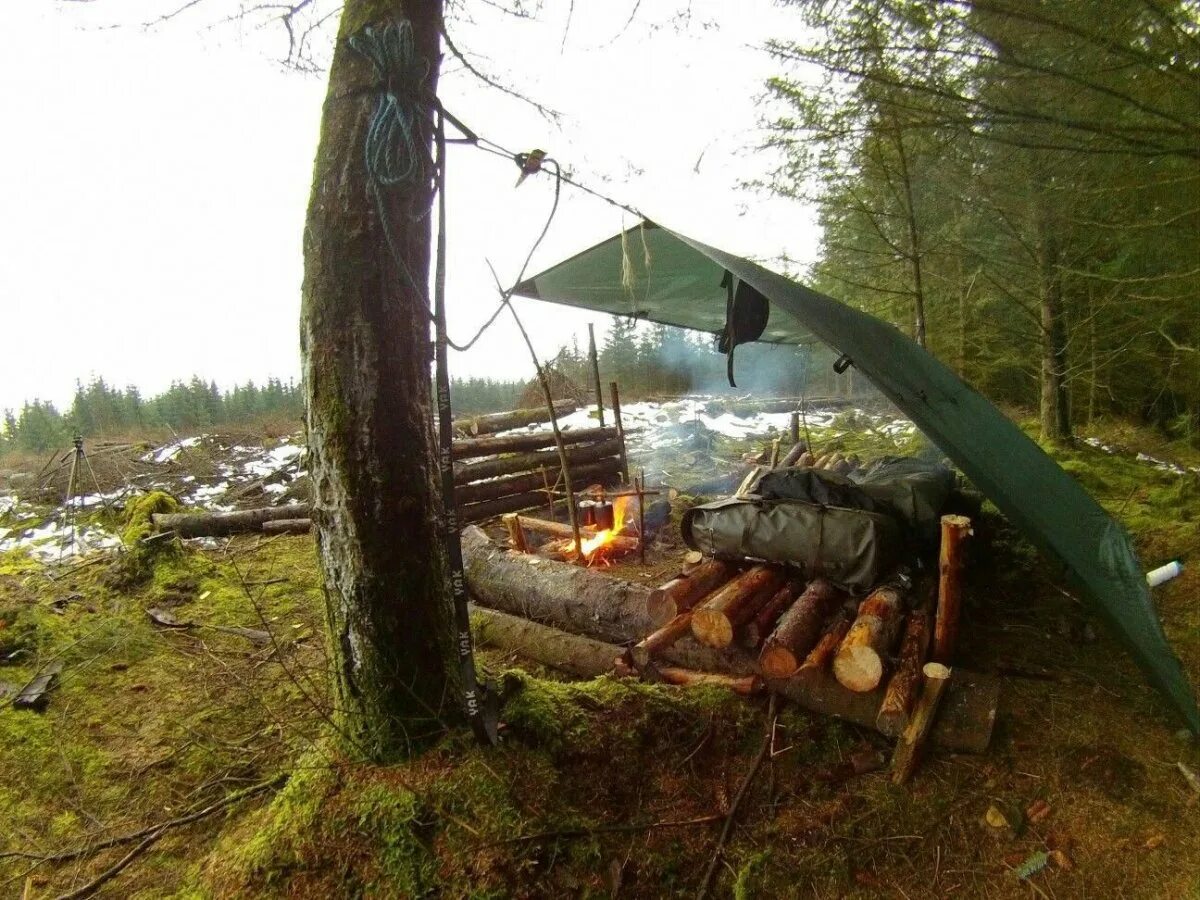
(806, 460)
(580, 600)
(734, 604)
(566, 652)
(746, 685)
(36, 694)
(641, 653)
(819, 657)
(685, 591)
(465, 473)
(219, 524)
(287, 526)
(516, 418)
(955, 530)
(529, 481)
(903, 685)
(862, 657)
(472, 448)
(562, 530)
(793, 455)
(798, 630)
(529, 585)
(763, 623)
(750, 482)
(820, 461)
(516, 534)
(908, 748)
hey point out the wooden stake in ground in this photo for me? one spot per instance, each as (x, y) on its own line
(798, 630)
(595, 372)
(955, 530)
(714, 622)
(908, 748)
(861, 659)
(615, 395)
(684, 591)
(903, 686)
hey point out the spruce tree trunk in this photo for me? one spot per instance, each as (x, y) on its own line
(365, 341)
(1054, 414)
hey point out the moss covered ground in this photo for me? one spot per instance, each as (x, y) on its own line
(599, 788)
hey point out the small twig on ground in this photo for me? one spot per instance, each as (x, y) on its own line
(731, 816)
(604, 829)
(152, 831)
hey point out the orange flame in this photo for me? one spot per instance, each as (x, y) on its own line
(593, 544)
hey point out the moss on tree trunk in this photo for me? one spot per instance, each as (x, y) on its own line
(365, 342)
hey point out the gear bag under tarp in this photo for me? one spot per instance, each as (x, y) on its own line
(853, 548)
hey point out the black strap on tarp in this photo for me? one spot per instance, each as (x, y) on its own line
(746, 314)
(480, 701)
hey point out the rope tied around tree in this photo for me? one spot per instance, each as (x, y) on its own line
(394, 149)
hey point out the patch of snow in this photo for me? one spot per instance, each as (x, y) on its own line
(170, 451)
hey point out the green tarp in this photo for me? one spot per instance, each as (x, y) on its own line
(662, 276)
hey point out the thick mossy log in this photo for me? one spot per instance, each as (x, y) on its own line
(798, 630)
(580, 600)
(549, 646)
(903, 685)
(465, 473)
(733, 604)
(472, 448)
(219, 524)
(862, 658)
(516, 418)
(682, 592)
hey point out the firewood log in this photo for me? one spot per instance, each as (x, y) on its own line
(756, 630)
(516, 534)
(819, 657)
(903, 685)
(954, 531)
(861, 659)
(562, 530)
(798, 630)
(508, 485)
(793, 455)
(806, 460)
(912, 741)
(655, 643)
(746, 685)
(714, 621)
(684, 591)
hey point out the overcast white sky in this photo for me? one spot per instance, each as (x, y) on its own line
(153, 182)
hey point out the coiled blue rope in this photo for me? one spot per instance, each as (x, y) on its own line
(395, 148)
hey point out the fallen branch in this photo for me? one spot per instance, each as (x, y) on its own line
(719, 850)
(603, 829)
(152, 830)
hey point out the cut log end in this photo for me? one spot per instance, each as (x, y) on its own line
(712, 628)
(778, 662)
(859, 668)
